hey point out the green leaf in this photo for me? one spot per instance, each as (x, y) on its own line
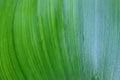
(59, 39)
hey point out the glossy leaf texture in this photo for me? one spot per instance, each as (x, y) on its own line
(59, 39)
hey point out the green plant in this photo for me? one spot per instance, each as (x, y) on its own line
(59, 40)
